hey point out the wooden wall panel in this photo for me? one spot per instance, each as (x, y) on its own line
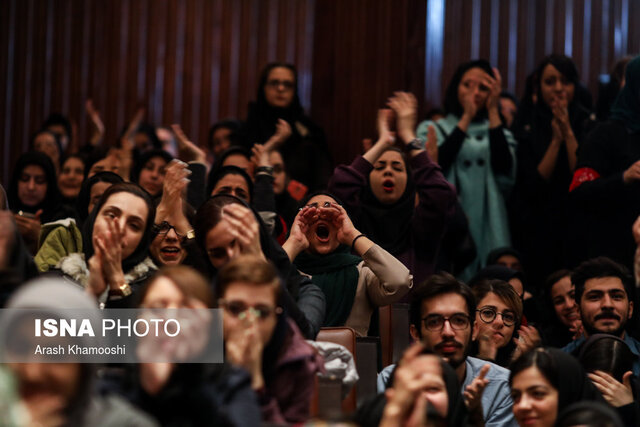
(197, 61)
(364, 50)
(516, 34)
(187, 61)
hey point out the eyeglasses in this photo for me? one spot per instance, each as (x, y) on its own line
(241, 310)
(435, 322)
(488, 315)
(275, 84)
(164, 227)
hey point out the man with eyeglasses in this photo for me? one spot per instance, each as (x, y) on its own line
(260, 338)
(442, 315)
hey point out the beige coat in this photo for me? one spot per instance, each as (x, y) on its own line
(382, 280)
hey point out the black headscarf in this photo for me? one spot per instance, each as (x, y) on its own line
(563, 371)
(451, 102)
(84, 197)
(51, 204)
(388, 225)
(142, 250)
(263, 117)
(220, 172)
(627, 105)
(144, 158)
(335, 273)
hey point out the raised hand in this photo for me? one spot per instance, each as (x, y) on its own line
(386, 138)
(405, 107)
(528, 339)
(432, 143)
(244, 349)
(187, 150)
(495, 88)
(244, 227)
(615, 393)
(632, 173)
(97, 285)
(110, 244)
(407, 386)
(176, 179)
(469, 105)
(487, 347)
(297, 241)
(338, 216)
(473, 392)
(260, 155)
(283, 132)
(96, 121)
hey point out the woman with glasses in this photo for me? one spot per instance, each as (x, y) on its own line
(173, 236)
(177, 392)
(498, 316)
(260, 338)
(305, 151)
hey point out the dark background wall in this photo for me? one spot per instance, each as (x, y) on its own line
(197, 61)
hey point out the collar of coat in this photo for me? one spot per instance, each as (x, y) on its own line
(76, 268)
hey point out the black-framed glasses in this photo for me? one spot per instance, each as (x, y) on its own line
(435, 322)
(287, 84)
(488, 315)
(241, 310)
(163, 228)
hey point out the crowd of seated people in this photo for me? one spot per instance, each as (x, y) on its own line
(507, 229)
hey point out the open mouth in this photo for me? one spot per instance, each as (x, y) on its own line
(170, 252)
(322, 232)
(388, 185)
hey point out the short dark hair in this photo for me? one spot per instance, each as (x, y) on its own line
(440, 284)
(601, 267)
(451, 102)
(251, 270)
(502, 290)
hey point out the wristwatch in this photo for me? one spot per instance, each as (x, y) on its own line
(122, 291)
(415, 144)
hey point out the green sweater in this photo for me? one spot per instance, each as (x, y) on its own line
(57, 240)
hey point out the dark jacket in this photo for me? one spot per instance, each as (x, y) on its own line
(287, 396)
(195, 395)
(426, 222)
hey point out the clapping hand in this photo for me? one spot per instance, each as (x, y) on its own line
(405, 107)
(187, 150)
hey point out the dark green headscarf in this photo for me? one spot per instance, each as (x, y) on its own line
(627, 105)
(337, 275)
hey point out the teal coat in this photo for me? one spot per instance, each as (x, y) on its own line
(482, 193)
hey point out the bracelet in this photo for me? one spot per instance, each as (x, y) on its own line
(265, 169)
(353, 244)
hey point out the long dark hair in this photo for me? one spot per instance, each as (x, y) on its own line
(142, 250)
(451, 102)
(52, 198)
(562, 371)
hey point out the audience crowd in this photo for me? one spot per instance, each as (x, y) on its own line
(509, 229)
